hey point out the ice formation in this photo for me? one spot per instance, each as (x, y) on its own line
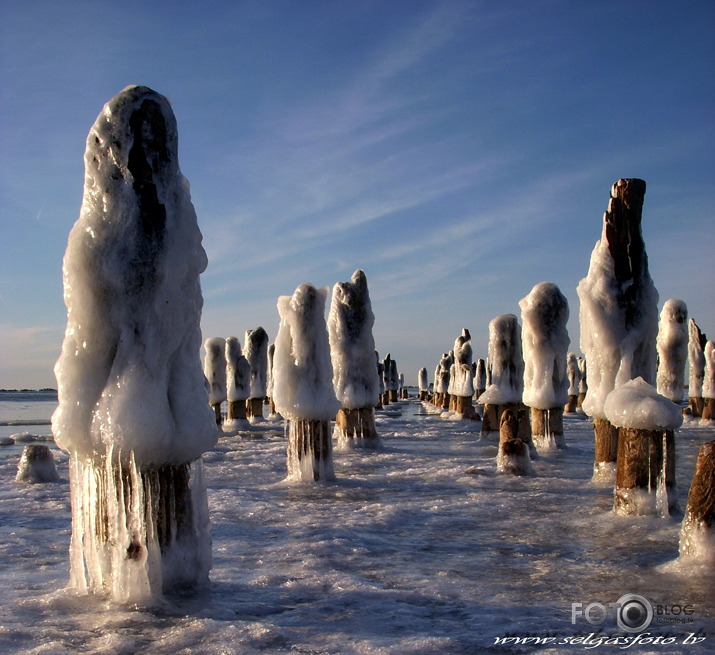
(37, 464)
(573, 373)
(238, 371)
(380, 367)
(505, 362)
(619, 303)
(709, 372)
(696, 359)
(636, 404)
(545, 342)
(672, 347)
(215, 369)
(133, 405)
(462, 383)
(480, 377)
(256, 353)
(352, 346)
(422, 380)
(391, 378)
(303, 383)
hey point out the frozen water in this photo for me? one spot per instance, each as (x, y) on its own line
(672, 346)
(419, 548)
(636, 404)
(215, 369)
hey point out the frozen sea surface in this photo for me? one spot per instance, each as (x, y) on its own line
(405, 553)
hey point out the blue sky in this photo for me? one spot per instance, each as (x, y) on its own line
(459, 152)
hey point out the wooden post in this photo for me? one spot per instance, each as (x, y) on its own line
(37, 464)
(236, 410)
(356, 428)
(547, 427)
(645, 472)
(310, 448)
(696, 357)
(254, 408)
(605, 449)
(697, 534)
(491, 419)
(513, 456)
(463, 406)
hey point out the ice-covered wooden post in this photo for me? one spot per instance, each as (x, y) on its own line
(238, 384)
(380, 382)
(303, 383)
(709, 382)
(442, 381)
(133, 406)
(352, 351)
(37, 464)
(506, 365)
(272, 413)
(392, 380)
(697, 533)
(583, 383)
(256, 347)
(696, 359)
(618, 314)
(573, 373)
(423, 384)
(672, 347)
(645, 470)
(404, 394)
(513, 455)
(480, 379)
(215, 372)
(545, 341)
(462, 382)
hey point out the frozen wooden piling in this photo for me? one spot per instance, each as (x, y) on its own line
(696, 358)
(513, 456)
(697, 534)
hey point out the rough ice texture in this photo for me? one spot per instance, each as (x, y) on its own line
(238, 371)
(129, 374)
(583, 368)
(619, 307)
(390, 376)
(215, 368)
(696, 358)
(380, 373)
(636, 404)
(302, 370)
(709, 378)
(269, 383)
(256, 346)
(672, 347)
(352, 346)
(37, 464)
(422, 380)
(505, 361)
(545, 341)
(442, 373)
(461, 377)
(573, 373)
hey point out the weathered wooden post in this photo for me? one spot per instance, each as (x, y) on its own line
(215, 372)
(709, 382)
(480, 378)
(352, 351)
(133, 406)
(672, 347)
(545, 340)
(442, 381)
(256, 347)
(238, 378)
(697, 534)
(303, 383)
(696, 357)
(618, 315)
(37, 464)
(423, 384)
(645, 470)
(583, 383)
(392, 379)
(573, 373)
(461, 377)
(506, 365)
(380, 367)
(513, 456)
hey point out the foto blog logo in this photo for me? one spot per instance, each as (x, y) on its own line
(631, 612)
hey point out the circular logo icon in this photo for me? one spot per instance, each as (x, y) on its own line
(634, 613)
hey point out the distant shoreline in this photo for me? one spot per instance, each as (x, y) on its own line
(47, 390)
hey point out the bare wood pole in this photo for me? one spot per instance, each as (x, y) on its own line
(645, 469)
(699, 522)
(236, 410)
(547, 425)
(310, 450)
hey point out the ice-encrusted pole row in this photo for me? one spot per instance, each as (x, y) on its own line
(238, 375)
(133, 405)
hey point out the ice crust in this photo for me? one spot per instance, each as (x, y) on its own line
(302, 370)
(422, 380)
(462, 383)
(215, 368)
(442, 374)
(129, 375)
(256, 347)
(352, 346)
(696, 359)
(672, 347)
(709, 377)
(238, 371)
(480, 377)
(545, 342)
(618, 321)
(636, 404)
(573, 373)
(505, 361)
